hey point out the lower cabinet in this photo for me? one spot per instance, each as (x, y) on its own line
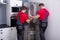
(8, 33)
(13, 33)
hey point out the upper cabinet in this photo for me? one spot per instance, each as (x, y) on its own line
(3, 2)
(14, 3)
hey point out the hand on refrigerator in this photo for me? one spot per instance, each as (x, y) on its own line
(31, 18)
(35, 17)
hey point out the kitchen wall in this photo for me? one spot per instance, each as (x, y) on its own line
(53, 29)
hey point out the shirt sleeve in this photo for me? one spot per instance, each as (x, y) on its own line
(40, 12)
(25, 17)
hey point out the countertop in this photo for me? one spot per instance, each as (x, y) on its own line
(4, 26)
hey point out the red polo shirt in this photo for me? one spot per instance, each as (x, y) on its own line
(42, 13)
(23, 17)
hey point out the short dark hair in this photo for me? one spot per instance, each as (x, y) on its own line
(41, 4)
(23, 8)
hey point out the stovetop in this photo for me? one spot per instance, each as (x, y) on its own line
(4, 26)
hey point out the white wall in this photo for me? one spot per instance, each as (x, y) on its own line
(53, 30)
(34, 1)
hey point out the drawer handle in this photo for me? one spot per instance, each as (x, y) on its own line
(1, 30)
(11, 29)
(1, 39)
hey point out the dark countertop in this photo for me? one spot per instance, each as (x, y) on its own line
(4, 26)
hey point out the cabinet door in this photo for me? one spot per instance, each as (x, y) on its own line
(13, 33)
(6, 34)
(14, 3)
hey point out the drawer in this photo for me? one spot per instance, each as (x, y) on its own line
(1, 32)
(5, 38)
(8, 33)
(1, 29)
(5, 33)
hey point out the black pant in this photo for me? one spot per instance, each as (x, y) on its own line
(43, 26)
(20, 32)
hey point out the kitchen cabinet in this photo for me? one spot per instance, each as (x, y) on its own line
(2, 13)
(8, 33)
(13, 33)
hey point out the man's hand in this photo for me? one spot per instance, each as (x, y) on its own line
(31, 18)
(34, 17)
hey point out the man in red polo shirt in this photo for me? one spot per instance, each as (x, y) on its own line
(22, 18)
(42, 16)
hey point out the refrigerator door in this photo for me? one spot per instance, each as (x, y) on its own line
(32, 7)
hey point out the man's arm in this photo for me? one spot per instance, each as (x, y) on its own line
(35, 17)
(28, 20)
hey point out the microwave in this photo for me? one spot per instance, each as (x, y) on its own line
(15, 9)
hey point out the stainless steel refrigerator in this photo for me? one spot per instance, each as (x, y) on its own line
(32, 10)
(32, 7)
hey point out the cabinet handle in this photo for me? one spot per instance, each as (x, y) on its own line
(11, 29)
(1, 30)
(1, 39)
